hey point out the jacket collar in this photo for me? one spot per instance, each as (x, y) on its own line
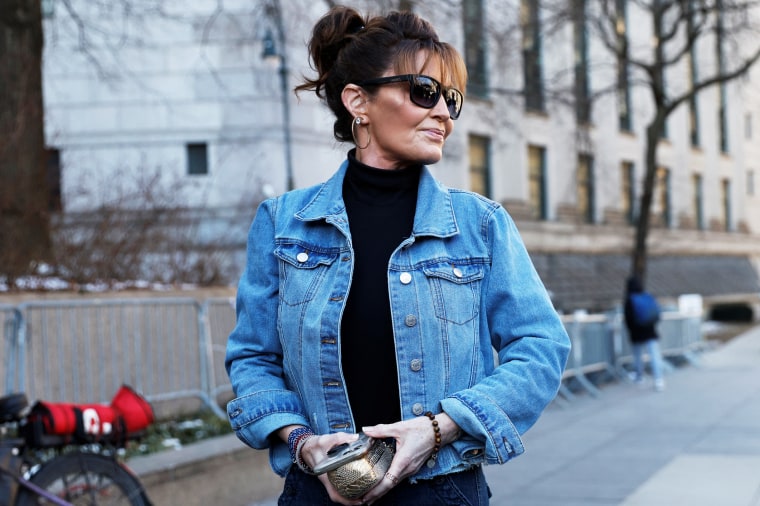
(434, 215)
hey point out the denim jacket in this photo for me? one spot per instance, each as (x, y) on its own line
(476, 334)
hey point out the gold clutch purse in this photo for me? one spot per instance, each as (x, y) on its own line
(354, 468)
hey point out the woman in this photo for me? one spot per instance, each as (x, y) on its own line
(374, 301)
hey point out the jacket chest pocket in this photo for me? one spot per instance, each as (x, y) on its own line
(455, 290)
(302, 269)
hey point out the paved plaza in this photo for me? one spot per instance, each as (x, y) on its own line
(697, 444)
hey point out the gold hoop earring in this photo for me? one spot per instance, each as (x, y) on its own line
(354, 125)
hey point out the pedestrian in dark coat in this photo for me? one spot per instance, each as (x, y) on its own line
(643, 337)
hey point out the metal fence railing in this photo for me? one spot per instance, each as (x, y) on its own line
(10, 318)
(600, 344)
(172, 349)
(82, 351)
(219, 317)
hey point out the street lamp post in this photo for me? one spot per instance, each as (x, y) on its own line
(278, 50)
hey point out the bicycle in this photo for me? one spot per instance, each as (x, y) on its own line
(38, 468)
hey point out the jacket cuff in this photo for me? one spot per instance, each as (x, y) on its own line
(482, 420)
(256, 416)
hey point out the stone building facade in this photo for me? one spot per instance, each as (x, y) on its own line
(177, 101)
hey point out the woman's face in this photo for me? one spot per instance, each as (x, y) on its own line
(403, 133)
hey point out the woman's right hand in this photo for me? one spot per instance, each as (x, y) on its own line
(314, 451)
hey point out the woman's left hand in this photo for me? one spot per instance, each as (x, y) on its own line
(415, 440)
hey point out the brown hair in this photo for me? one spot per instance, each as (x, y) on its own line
(347, 48)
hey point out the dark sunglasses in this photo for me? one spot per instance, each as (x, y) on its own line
(424, 91)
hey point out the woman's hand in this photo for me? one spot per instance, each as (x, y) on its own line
(315, 449)
(415, 440)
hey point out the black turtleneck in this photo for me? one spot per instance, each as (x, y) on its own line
(380, 205)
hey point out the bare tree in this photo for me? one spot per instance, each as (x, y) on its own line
(681, 29)
(24, 219)
(98, 31)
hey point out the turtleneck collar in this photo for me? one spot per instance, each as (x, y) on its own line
(376, 182)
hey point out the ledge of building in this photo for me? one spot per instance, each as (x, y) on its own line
(562, 237)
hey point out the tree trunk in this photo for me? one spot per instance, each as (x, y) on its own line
(24, 219)
(639, 256)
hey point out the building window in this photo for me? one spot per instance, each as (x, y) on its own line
(663, 195)
(197, 158)
(693, 121)
(480, 165)
(580, 38)
(693, 74)
(721, 63)
(751, 183)
(585, 187)
(748, 126)
(623, 83)
(726, 204)
(47, 8)
(723, 119)
(537, 181)
(53, 175)
(406, 5)
(475, 48)
(531, 51)
(660, 78)
(627, 191)
(698, 202)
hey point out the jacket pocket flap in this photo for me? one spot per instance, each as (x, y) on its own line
(305, 256)
(456, 273)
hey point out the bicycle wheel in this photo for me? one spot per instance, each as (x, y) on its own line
(85, 479)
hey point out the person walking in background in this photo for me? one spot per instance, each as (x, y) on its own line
(374, 301)
(641, 316)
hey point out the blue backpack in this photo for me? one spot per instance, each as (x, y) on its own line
(646, 311)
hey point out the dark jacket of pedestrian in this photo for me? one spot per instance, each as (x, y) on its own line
(636, 332)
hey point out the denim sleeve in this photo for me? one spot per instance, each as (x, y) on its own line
(531, 342)
(254, 359)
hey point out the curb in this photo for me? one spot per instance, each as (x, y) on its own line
(220, 470)
(187, 458)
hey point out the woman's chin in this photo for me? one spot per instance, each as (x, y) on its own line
(430, 157)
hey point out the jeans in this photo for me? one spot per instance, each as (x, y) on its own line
(467, 488)
(653, 348)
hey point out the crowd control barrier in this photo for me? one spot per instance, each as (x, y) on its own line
(600, 344)
(171, 349)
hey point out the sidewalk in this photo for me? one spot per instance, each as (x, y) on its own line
(696, 443)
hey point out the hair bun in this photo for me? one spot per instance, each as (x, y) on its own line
(331, 34)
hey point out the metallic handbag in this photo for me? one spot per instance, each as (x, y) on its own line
(354, 468)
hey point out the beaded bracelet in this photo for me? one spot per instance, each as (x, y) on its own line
(437, 433)
(300, 462)
(296, 439)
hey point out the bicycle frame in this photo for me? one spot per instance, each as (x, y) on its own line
(34, 488)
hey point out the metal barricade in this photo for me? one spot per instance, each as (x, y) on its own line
(82, 351)
(172, 349)
(592, 349)
(10, 317)
(679, 336)
(219, 317)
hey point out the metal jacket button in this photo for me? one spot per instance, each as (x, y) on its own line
(405, 278)
(302, 257)
(458, 272)
(416, 364)
(410, 320)
(418, 409)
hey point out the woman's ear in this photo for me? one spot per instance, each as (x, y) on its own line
(354, 99)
